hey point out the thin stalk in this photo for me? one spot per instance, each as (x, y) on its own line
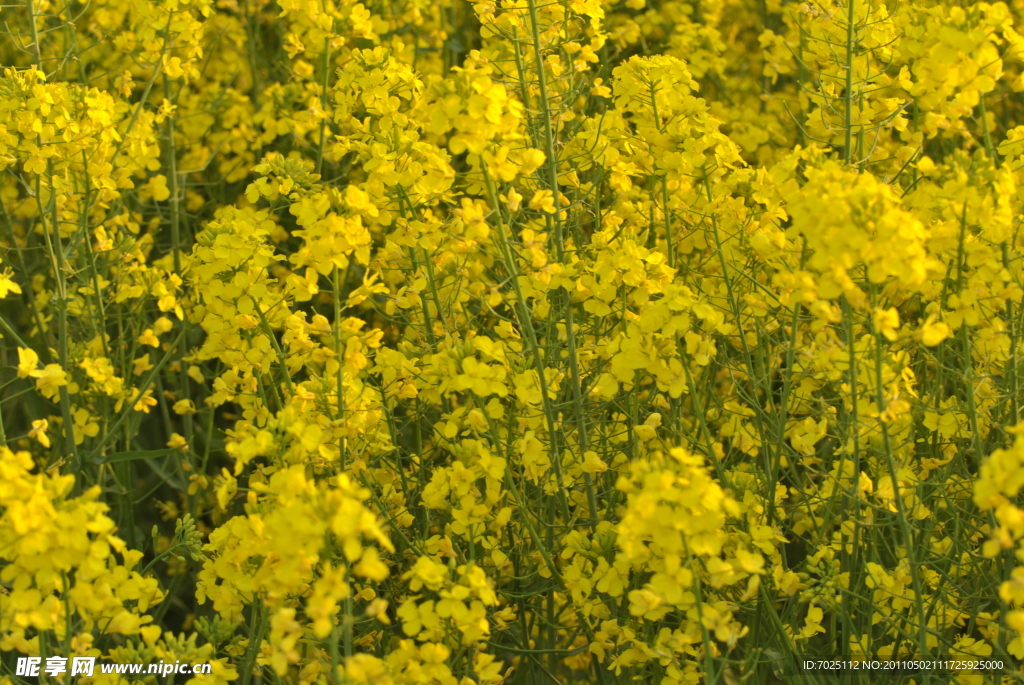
(901, 512)
(55, 248)
(526, 321)
(276, 345)
(340, 377)
(35, 33)
(848, 94)
(176, 249)
(325, 91)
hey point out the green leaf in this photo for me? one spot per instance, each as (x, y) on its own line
(132, 456)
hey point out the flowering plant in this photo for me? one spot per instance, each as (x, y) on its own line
(486, 342)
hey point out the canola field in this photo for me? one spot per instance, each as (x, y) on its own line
(533, 342)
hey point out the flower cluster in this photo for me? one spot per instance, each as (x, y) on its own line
(511, 342)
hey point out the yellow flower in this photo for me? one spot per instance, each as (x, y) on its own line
(145, 402)
(934, 332)
(85, 425)
(543, 201)
(886, 322)
(148, 338)
(7, 284)
(184, 407)
(50, 379)
(39, 432)
(28, 363)
(158, 188)
(512, 200)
